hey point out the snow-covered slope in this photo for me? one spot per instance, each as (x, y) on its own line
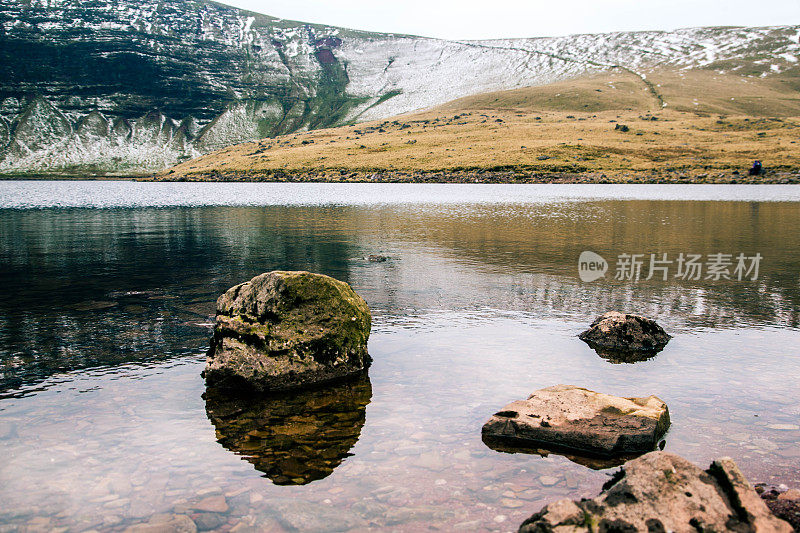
(131, 86)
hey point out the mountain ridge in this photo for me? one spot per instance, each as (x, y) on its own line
(72, 97)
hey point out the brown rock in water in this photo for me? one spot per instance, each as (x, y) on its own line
(569, 418)
(288, 330)
(624, 337)
(212, 504)
(661, 492)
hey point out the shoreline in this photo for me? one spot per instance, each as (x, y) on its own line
(496, 177)
(504, 176)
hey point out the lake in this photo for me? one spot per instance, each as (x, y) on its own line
(107, 303)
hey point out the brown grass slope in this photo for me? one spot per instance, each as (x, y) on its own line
(696, 125)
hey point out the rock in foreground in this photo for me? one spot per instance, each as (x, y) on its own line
(571, 418)
(288, 330)
(625, 334)
(661, 492)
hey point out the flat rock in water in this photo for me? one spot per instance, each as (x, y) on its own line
(661, 492)
(569, 418)
(625, 338)
(288, 330)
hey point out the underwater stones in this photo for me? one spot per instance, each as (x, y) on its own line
(288, 330)
(622, 337)
(663, 492)
(165, 523)
(297, 515)
(296, 437)
(569, 418)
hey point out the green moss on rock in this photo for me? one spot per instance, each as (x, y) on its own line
(286, 330)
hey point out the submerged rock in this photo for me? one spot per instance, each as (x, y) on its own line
(298, 515)
(626, 338)
(296, 437)
(661, 492)
(573, 419)
(165, 522)
(288, 330)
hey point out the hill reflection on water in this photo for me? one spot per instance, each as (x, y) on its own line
(94, 287)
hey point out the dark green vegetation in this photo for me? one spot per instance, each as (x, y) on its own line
(90, 87)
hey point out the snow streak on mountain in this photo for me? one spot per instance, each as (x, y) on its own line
(132, 86)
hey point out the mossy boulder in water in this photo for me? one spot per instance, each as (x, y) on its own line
(288, 330)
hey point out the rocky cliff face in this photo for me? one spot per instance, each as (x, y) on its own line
(124, 86)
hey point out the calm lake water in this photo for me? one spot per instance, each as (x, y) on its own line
(107, 301)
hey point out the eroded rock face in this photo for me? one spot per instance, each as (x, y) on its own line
(40, 124)
(200, 59)
(573, 419)
(288, 330)
(626, 338)
(296, 437)
(5, 133)
(661, 492)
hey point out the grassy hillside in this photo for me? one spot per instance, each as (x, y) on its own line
(698, 125)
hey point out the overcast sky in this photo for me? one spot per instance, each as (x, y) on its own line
(462, 19)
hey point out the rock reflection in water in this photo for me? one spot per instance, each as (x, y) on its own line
(618, 357)
(593, 462)
(295, 437)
